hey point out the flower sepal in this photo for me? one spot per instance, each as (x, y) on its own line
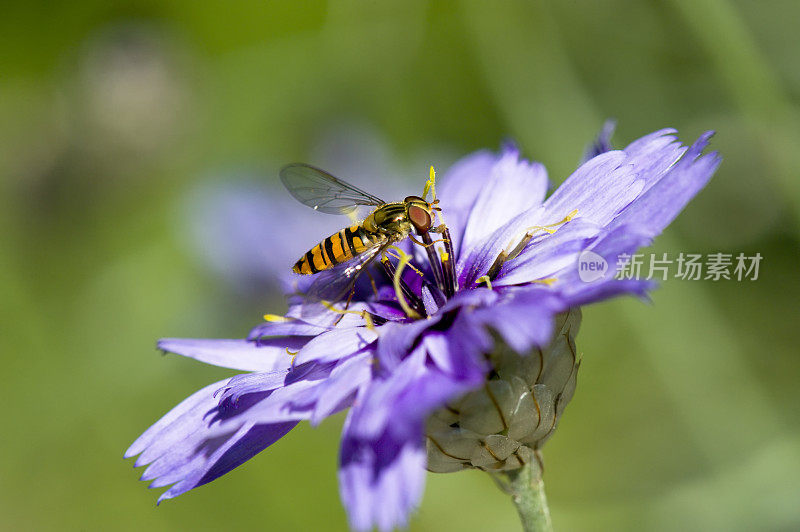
(498, 426)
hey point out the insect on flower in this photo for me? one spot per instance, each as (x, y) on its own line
(344, 255)
(475, 367)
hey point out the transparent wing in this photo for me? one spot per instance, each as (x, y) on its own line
(323, 192)
(335, 284)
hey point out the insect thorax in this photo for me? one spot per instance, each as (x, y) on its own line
(390, 219)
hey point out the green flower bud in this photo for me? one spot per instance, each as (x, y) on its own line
(499, 426)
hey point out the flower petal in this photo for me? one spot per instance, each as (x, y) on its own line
(285, 327)
(572, 291)
(292, 402)
(598, 190)
(654, 154)
(428, 299)
(183, 448)
(549, 254)
(657, 207)
(459, 351)
(336, 344)
(235, 354)
(335, 393)
(381, 482)
(251, 383)
(382, 471)
(213, 458)
(313, 392)
(402, 399)
(524, 317)
(396, 340)
(460, 187)
(513, 186)
(186, 415)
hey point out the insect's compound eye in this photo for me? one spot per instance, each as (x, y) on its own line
(420, 218)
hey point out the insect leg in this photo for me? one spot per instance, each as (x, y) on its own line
(372, 282)
(346, 305)
(427, 243)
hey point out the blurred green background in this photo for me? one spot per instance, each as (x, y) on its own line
(112, 114)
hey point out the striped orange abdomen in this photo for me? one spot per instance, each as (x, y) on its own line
(336, 249)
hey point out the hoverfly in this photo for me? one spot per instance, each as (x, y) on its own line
(353, 247)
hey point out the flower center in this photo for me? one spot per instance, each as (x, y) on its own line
(440, 259)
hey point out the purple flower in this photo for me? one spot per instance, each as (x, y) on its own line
(413, 345)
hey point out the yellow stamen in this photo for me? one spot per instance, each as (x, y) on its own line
(548, 228)
(397, 256)
(548, 282)
(275, 318)
(403, 260)
(531, 231)
(292, 354)
(445, 255)
(430, 185)
(485, 279)
(512, 252)
(363, 313)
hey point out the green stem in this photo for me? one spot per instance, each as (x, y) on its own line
(526, 487)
